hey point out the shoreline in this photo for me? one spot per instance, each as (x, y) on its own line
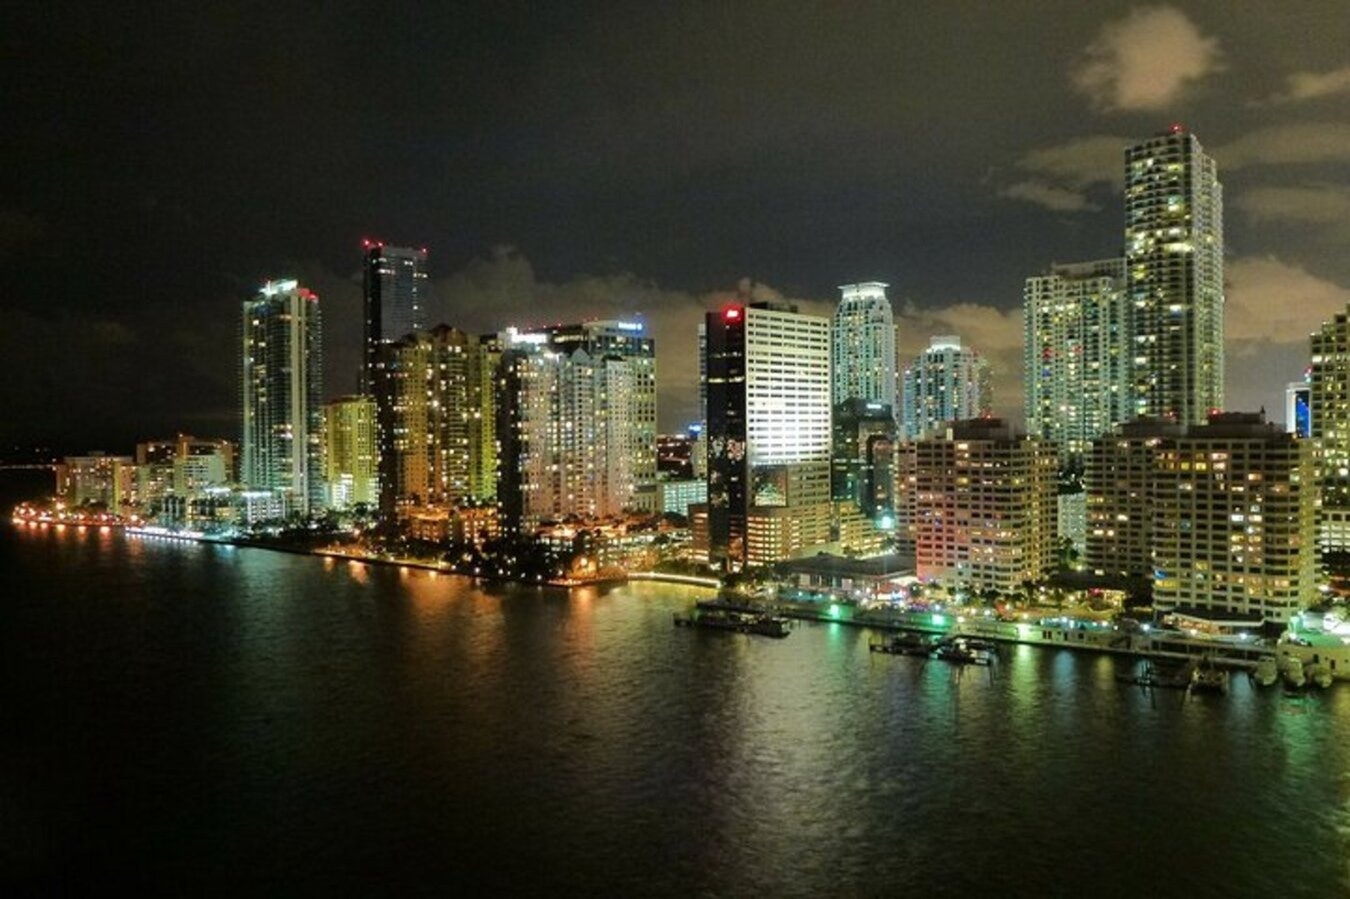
(1064, 635)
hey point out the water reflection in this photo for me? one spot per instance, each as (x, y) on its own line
(527, 739)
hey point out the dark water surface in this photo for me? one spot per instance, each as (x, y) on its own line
(191, 719)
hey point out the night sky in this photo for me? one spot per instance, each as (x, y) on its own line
(564, 161)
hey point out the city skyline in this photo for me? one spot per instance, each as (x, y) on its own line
(952, 211)
(444, 440)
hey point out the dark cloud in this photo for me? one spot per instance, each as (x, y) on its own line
(162, 160)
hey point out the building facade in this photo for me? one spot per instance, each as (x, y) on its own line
(767, 399)
(863, 457)
(1174, 277)
(97, 479)
(1329, 425)
(282, 434)
(351, 453)
(947, 382)
(634, 425)
(394, 286)
(423, 412)
(1118, 484)
(1076, 355)
(577, 430)
(863, 347)
(1220, 517)
(980, 505)
(1234, 529)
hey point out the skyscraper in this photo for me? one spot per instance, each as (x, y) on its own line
(1329, 425)
(282, 441)
(395, 283)
(1076, 356)
(862, 469)
(947, 382)
(767, 371)
(422, 399)
(863, 351)
(1174, 277)
(625, 341)
(576, 425)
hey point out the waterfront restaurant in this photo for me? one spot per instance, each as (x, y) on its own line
(858, 580)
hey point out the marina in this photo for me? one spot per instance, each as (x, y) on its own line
(920, 632)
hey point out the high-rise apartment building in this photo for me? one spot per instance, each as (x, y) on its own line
(980, 505)
(576, 422)
(423, 410)
(1174, 277)
(351, 453)
(767, 387)
(394, 281)
(628, 342)
(484, 357)
(1076, 354)
(863, 349)
(282, 443)
(1118, 483)
(1329, 424)
(947, 382)
(1220, 517)
(1234, 521)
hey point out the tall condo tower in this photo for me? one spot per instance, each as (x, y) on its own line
(1329, 425)
(1076, 362)
(282, 385)
(767, 372)
(395, 283)
(1174, 277)
(947, 382)
(576, 423)
(864, 346)
(632, 419)
(422, 398)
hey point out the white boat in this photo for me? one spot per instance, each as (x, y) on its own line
(1316, 650)
(1267, 671)
(1293, 673)
(1320, 675)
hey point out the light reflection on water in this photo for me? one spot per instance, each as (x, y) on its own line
(267, 719)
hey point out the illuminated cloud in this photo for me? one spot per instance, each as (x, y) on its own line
(1315, 85)
(1062, 175)
(492, 293)
(1272, 307)
(1290, 144)
(1321, 204)
(1145, 61)
(1097, 159)
(1058, 199)
(1272, 301)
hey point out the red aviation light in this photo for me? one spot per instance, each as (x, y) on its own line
(732, 314)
